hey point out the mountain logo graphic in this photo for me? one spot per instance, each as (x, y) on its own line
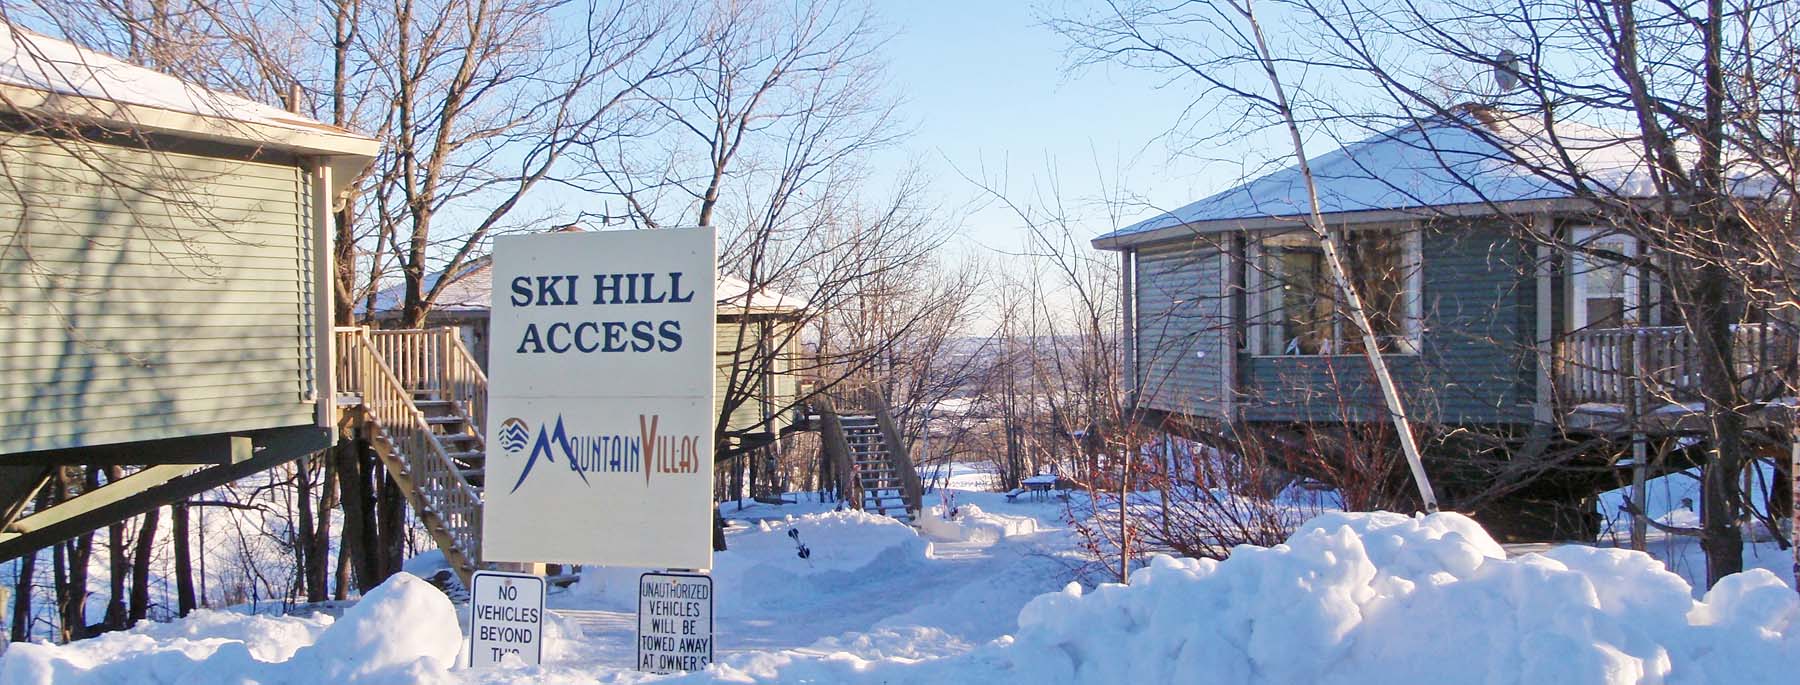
(514, 435)
(548, 442)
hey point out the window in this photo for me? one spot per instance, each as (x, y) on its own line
(1296, 305)
(1606, 289)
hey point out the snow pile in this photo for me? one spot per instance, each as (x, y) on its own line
(1680, 518)
(404, 631)
(1384, 598)
(762, 567)
(974, 525)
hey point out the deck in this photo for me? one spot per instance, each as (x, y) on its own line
(1615, 378)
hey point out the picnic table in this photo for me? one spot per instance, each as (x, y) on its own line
(1039, 485)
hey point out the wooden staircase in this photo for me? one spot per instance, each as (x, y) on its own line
(421, 400)
(872, 462)
(458, 433)
(874, 468)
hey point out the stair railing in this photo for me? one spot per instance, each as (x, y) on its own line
(433, 475)
(463, 380)
(837, 449)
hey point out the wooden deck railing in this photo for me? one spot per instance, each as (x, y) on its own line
(464, 382)
(430, 361)
(415, 355)
(1658, 365)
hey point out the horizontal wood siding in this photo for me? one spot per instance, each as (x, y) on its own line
(1476, 361)
(1181, 329)
(782, 384)
(150, 295)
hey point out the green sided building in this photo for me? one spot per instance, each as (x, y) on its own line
(165, 293)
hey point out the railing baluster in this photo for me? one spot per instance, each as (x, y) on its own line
(1609, 365)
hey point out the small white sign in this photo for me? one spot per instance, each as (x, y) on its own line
(506, 616)
(675, 631)
(600, 414)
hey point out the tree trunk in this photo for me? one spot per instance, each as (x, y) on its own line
(1168, 474)
(319, 557)
(718, 530)
(344, 263)
(71, 559)
(140, 567)
(342, 576)
(751, 468)
(185, 602)
(353, 498)
(81, 551)
(737, 480)
(59, 576)
(74, 608)
(392, 530)
(21, 608)
(1721, 501)
(118, 564)
(350, 548)
(1125, 518)
(303, 542)
(1781, 495)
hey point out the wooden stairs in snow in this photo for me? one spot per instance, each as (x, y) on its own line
(420, 400)
(872, 462)
(874, 467)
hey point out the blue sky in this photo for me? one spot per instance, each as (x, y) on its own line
(986, 87)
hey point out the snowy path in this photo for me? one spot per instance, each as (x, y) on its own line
(962, 594)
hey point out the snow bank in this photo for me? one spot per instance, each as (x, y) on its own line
(404, 631)
(1349, 599)
(1384, 598)
(974, 525)
(762, 567)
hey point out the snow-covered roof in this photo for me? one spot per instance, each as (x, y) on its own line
(732, 292)
(49, 76)
(470, 288)
(1474, 157)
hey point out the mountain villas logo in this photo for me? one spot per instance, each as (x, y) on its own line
(513, 435)
(647, 452)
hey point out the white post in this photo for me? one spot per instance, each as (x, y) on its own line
(1639, 471)
(1544, 411)
(1128, 323)
(324, 302)
(1794, 504)
(1640, 527)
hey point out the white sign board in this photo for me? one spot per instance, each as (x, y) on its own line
(600, 399)
(506, 616)
(675, 631)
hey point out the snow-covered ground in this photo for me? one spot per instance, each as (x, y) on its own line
(988, 597)
(1671, 500)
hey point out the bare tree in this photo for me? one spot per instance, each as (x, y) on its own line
(765, 138)
(487, 98)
